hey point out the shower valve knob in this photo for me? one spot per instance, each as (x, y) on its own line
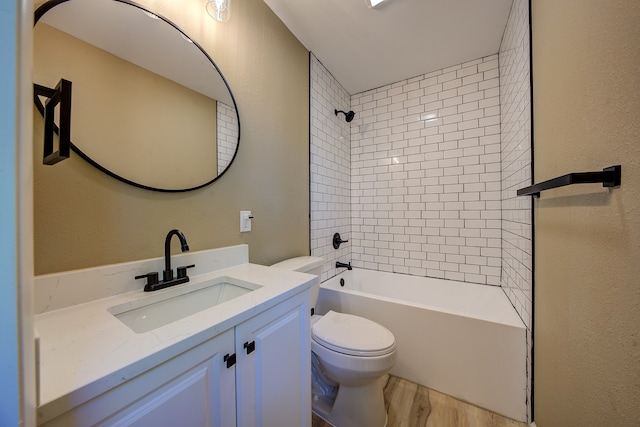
(337, 241)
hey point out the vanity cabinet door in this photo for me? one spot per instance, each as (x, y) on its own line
(192, 389)
(273, 376)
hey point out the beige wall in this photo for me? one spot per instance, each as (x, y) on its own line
(586, 70)
(84, 218)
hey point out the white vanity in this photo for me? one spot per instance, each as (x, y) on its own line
(229, 348)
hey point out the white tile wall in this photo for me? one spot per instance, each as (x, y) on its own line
(515, 103)
(516, 160)
(227, 128)
(330, 178)
(425, 175)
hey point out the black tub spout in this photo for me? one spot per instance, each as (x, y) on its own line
(343, 265)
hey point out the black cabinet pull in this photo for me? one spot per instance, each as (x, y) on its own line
(250, 346)
(230, 359)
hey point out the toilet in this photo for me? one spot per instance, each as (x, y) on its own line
(350, 357)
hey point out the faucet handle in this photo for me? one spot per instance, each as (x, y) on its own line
(337, 240)
(182, 271)
(152, 278)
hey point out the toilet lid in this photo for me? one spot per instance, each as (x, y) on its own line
(353, 335)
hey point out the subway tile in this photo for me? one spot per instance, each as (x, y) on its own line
(453, 101)
(467, 70)
(447, 76)
(468, 106)
(469, 89)
(491, 74)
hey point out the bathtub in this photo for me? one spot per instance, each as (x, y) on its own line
(461, 339)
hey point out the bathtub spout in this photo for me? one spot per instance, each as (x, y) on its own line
(343, 265)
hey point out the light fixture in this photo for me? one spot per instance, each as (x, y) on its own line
(428, 117)
(150, 15)
(220, 10)
(374, 3)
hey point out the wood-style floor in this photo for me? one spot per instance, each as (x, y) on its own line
(412, 405)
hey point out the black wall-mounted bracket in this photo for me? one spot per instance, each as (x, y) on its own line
(609, 177)
(60, 95)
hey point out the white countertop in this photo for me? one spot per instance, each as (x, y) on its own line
(85, 350)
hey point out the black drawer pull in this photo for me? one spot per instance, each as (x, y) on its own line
(250, 346)
(230, 359)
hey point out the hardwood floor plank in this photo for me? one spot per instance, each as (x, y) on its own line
(398, 398)
(411, 405)
(450, 412)
(420, 408)
(316, 421)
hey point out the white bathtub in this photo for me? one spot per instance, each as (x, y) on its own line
(461, 339)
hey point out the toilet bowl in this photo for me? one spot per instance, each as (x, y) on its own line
(353, 354)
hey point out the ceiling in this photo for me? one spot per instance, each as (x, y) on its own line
(367, 48)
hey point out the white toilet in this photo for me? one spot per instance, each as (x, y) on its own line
(351, 354)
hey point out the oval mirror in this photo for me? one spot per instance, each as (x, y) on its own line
(149, 105)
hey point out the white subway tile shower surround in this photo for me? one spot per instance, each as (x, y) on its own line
(515, 100)
(330, 159)
(425, 175)
(435, 162)
(227, 128)
(516, 160)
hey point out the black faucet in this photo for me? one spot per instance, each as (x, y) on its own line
(343, 265)
(167, 275)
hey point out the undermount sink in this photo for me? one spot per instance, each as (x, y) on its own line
(170, 305)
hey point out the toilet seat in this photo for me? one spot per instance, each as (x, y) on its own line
(352, 335)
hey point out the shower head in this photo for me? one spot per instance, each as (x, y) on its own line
(348, 116)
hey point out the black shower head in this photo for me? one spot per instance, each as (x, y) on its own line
(347, 115)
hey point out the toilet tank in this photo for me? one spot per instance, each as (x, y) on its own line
(305, 264)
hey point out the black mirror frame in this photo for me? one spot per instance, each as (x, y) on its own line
(43, 9)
